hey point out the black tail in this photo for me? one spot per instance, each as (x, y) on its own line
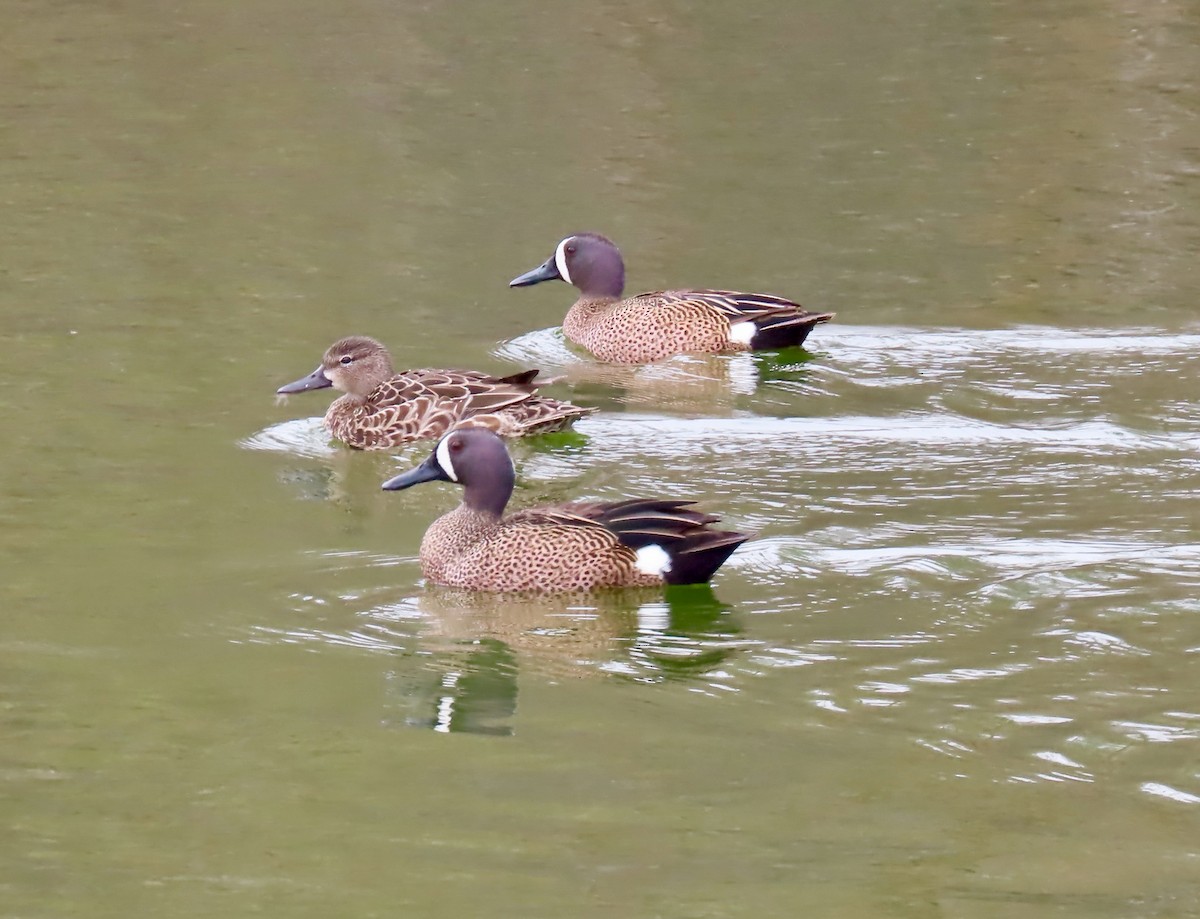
(697, 560)
(785, 331)
(695, 549)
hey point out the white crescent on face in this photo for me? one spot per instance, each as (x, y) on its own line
(560, 260)
(443, 459)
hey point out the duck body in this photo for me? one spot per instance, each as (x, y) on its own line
(382, 409)
(541, 549)
(569, 547)
(422, 404)
(653, 326)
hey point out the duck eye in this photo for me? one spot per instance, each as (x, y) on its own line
(347, 359)
(456, 445)
(571, 249)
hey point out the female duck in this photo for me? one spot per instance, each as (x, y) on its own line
(579, 546)
(653, 326)
(382, 408)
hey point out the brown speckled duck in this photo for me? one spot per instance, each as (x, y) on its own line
(579, 546)
(382, 408)
(653, 326)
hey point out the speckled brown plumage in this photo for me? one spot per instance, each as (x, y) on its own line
(652, 326)
(526, 551)
(579, 546)
(382, 408)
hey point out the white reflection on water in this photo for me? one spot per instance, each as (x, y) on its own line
(1157, 733)
(819, 435)
(913, 344)
(1018, 554)
(876, 342)
(1159, 790)
(298, 437)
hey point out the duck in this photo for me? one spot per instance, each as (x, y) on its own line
(579, 546)
(383, 408)
(660, 324)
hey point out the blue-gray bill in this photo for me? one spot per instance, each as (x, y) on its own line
(428, 471)
(315, 380)
(547, 271)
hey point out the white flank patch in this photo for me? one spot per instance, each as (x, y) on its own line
(443, 458)
(742, 332)
(560, 259)
(653, 559)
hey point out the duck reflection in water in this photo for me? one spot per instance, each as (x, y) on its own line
(465, 677)
(713, 384)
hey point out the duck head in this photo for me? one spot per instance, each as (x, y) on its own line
(589, 261)
(474, 458)
(354, 365)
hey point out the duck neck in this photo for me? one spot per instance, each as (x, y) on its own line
(605, 287)
(362, 386)
(489, 490)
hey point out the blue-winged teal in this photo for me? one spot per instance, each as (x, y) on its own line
(657, 325)
(382, 408)
(579, 546)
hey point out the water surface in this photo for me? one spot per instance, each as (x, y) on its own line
(952, 676)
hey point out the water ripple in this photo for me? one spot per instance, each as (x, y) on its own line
(719, 436)
(1160, 790)
(297, 436)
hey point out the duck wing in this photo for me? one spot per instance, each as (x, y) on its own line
(466, 392)
(694, 549)
(736, 305)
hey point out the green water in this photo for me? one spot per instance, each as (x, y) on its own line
(955, 675)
